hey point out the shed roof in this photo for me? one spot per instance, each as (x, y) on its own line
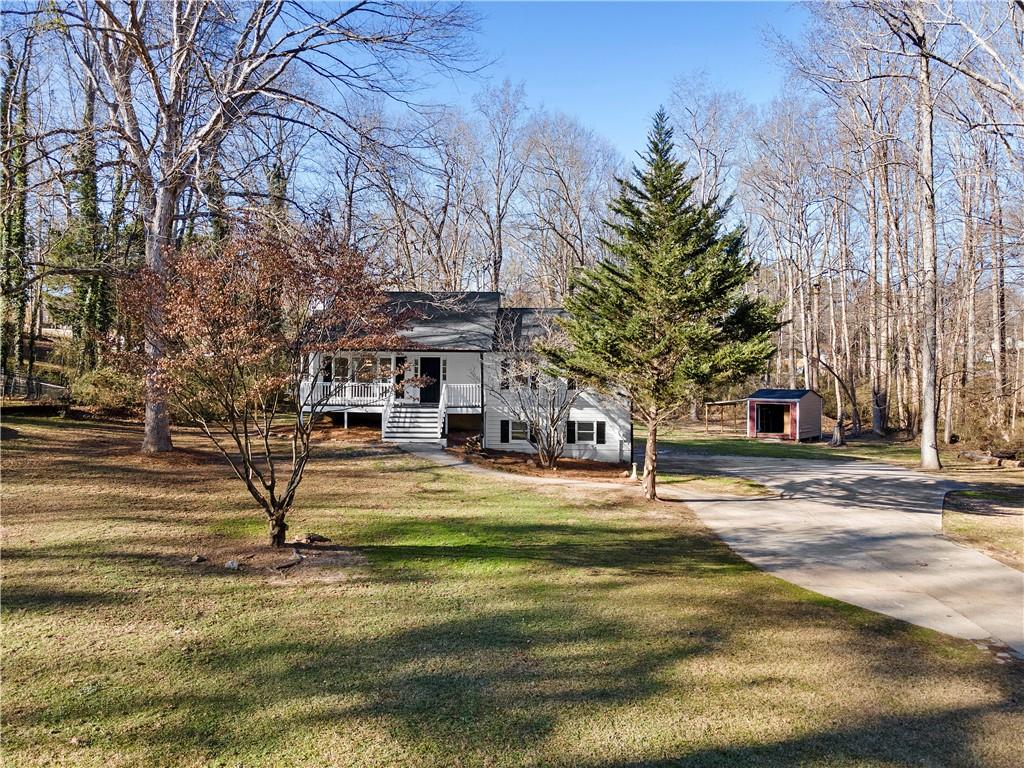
(450, 321)
(781, 394)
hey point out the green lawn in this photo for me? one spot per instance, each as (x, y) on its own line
(702, 482)
(863, 447)
(465, 622)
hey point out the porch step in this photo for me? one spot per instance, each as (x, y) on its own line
(412, 423)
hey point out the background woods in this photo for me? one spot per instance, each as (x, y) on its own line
(882, 194)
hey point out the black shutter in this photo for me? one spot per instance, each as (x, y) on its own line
(600, 433)
(504, 431)
(570, 431)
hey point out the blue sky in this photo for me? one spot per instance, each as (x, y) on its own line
(611, 64)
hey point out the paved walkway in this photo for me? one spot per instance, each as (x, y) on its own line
(868, 534)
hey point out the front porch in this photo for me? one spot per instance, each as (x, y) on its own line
(374, 397)
(412, 392)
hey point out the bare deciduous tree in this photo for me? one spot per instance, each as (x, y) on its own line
(177, 78)
(528, 390)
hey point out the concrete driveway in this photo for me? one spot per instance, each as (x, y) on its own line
(867, 534)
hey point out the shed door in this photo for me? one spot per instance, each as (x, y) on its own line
(772, 418)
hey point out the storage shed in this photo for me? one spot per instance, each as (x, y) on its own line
(789, 414)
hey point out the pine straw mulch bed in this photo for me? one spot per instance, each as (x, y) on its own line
(523, 464)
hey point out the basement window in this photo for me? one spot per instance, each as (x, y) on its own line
(520, 430)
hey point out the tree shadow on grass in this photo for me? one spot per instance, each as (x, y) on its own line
(483, 683)
(19, 597)
(475, 689)
(456, 686)
(945, 738)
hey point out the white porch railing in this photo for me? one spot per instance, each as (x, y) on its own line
(346, 393)
(386, 415)
(455, 396)
(461, 395)
(442, 410)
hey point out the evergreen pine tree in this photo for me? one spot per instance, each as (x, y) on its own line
(277, 189)
(666, 316)
(213, 188)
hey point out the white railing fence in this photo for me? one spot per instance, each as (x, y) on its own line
(462, 395)
(346, 393)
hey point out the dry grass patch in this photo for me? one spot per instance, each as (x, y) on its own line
(989, 518)
(473, 623)
(700, 480)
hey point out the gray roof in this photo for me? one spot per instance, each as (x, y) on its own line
(448, 321)
(781, 394)
(464, 321)
(524, 324)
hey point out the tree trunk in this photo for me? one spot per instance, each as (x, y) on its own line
(159, 226)
(838, 433)
(998, 317)
(929, 303)
(877, 319)
(651, 462)
(35, 321)
(278, 529)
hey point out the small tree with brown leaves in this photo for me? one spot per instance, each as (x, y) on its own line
(239, 318)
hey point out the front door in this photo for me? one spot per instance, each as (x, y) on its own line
(430, 368)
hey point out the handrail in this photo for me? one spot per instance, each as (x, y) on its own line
(388, 404)
(442, 409)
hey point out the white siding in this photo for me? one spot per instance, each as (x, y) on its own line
(590, 406)
(459, 368)
(464, 368)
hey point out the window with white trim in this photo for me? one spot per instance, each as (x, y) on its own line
(586, 432)
(366, 370)
(511, 431)
(444, 369)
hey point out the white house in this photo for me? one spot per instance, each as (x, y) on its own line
(454, 351)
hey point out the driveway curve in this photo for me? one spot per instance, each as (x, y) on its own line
(865, 533)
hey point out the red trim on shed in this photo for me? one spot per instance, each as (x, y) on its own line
(789, 429)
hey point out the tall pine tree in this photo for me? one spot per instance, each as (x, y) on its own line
(666, 316)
